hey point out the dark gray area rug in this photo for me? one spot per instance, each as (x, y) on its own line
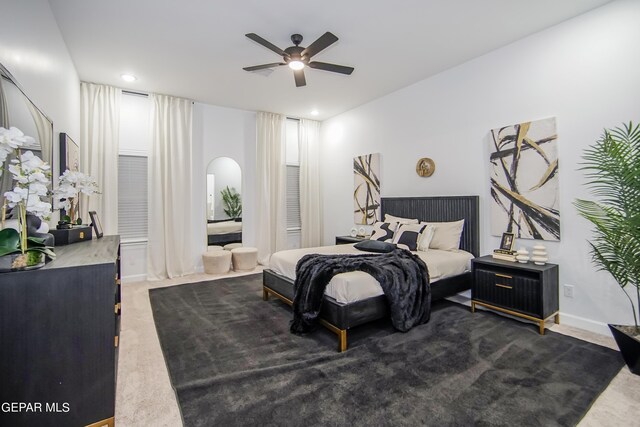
(232, 361)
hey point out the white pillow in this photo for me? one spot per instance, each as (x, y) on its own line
(409, 234)
(391, 218)
(383, 230)
(425, 238)
(446, 235)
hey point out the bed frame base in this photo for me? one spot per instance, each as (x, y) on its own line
(342, 333)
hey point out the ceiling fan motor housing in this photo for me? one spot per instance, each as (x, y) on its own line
(296, 39)
(294, 54)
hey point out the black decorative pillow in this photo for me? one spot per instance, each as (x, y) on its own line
(375, 246)
(409, 234)
(383, 230)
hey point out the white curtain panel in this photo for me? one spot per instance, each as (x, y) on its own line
(310, 190)
(170, 232)
(271, 170)
(99, 148)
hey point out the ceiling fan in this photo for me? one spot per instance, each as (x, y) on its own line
(298, 57)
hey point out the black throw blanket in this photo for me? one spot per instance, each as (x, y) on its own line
(403, 276)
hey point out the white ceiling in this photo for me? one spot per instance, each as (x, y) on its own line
(197, 48)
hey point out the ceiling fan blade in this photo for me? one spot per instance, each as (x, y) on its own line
(298, 75)
(262, 67)
(323, 42)
(256, 38)
(331, 67)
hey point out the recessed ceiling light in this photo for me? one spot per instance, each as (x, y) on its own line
(129, 78)
(314, 112)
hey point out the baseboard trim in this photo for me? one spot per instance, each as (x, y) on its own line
(134, 278)
(586, 324)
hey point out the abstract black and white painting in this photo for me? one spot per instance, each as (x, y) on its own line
(366, 193)
(524, 180)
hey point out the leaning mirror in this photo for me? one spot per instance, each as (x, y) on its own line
(224, 202)
(17, 110)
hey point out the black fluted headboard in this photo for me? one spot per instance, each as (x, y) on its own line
(441, 209)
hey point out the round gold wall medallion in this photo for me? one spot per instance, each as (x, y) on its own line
(425, 167)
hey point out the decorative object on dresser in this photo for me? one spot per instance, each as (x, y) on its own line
(366, 192)
(522, 256)
(612, 167)
(69, 154)
(66, 196)
(362, 232)
(425, 167)
(539, 255)
(96, 224)
(524, 180)
(523, 290)
(59, 327)
(29, 182)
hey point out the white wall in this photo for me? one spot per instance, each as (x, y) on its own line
(33, 50)
(583, 71)
(223, 132)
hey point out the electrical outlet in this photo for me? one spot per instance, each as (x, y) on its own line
(568, 291)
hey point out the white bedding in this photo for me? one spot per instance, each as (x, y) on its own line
(357, 285)
(224, 227)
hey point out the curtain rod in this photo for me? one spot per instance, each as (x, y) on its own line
(130, 92)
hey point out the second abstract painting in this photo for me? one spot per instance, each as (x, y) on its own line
(366, 193)
(524, 180)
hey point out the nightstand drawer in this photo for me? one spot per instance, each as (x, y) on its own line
(519, 292)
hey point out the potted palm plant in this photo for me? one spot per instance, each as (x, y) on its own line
(232, 202)
(612, 169)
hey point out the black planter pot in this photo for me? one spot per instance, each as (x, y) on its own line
(629, 347)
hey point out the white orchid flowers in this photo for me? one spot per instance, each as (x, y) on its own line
(10, 140)
(70, 185)
(30, 173)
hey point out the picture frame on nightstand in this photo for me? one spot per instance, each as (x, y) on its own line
(507, 241)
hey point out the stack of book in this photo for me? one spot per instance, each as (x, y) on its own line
(504, 255)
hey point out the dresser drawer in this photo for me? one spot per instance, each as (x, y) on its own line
(518, 292)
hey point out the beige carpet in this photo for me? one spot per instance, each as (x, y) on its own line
(145, 397)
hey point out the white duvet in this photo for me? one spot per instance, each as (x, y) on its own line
(357, 285)
(224, 227)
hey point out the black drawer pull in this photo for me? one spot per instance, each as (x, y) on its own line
(503, 275)
(504, 286)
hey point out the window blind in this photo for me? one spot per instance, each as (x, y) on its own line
(132, 197)
(293, 197)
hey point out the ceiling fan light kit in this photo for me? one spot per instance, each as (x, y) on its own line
(298, 57)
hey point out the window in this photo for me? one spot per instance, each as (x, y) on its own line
(293, 197)
(293, 176)
(132, 198)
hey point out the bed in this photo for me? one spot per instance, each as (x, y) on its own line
(222, 232)
(340, 312)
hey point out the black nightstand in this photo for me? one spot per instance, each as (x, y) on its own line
(346, 240)
(525, 290)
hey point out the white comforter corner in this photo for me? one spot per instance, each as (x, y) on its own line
(357, 285)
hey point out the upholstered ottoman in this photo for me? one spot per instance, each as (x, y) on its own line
(244, 258)
(232, 246)
(214, 248)
(216, 262)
